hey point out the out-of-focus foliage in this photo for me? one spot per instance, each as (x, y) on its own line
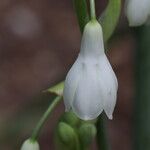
(81, 10)
(142, 99)
(110, 18)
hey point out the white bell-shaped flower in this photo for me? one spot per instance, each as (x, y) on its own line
(30, 145)
(91, 85)
(138, 12)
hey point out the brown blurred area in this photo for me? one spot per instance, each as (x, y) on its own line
(39, 41)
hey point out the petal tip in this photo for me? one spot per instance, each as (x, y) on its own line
(110, 117)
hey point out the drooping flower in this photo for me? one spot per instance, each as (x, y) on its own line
(138, 12)
(30, 145)
(91, 85)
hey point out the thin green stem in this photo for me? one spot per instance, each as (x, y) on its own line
(92, 9)
(44, 118)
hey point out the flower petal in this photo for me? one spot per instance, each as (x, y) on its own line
(71, 84)
(110, 86)
(87, 103)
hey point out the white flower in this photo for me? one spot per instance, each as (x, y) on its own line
(30, 145)
(138, 12)
(91, 85)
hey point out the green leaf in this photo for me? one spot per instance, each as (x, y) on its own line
(110, 17)
(56, 89)
(80, 7)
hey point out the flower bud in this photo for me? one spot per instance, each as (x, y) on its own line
(70, 118)
(66, 133)
(30, 145)
(138, 12)
(87, 132)
(91, 85)
(66, 137)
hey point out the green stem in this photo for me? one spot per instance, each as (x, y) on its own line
(44, 118)
(141, 117)
(92, 9)
(102, 140)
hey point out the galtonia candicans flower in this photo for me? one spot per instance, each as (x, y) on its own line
(30, 145)
(91, 85)
(138, 12)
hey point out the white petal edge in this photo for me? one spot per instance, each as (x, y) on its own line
(71, 82)
(110, 86)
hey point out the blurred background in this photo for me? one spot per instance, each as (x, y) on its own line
(39, 41)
